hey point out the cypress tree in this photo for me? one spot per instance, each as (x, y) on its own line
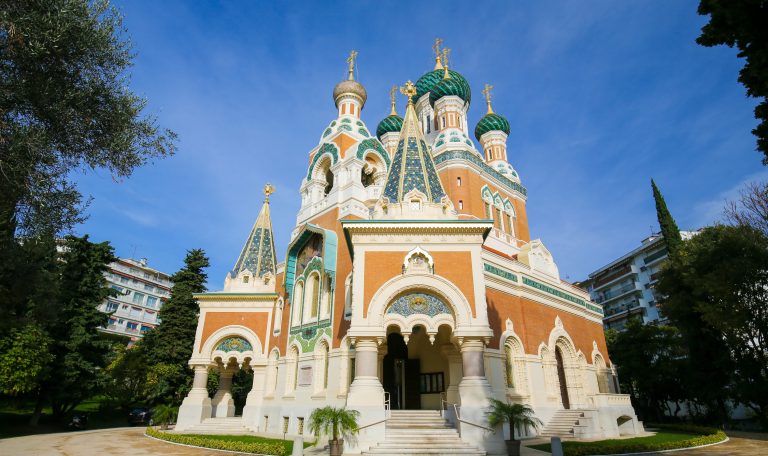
(669, 228)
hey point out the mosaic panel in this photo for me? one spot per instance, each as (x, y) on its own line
(235, 343)
(369, 144)
(418, 303)
(499, 272)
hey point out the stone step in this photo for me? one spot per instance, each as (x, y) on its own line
(442, 451)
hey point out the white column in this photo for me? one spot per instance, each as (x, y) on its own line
(366, 395)
(197, 405)
(455, 373)
(222, 402)
(475, 393)
(255, 398)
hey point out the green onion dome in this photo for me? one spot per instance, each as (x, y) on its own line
(390, 124)
(428, 82)
(455, 85)
(491, 122)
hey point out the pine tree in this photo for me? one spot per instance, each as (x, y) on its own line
(669, 228)
(168, 347)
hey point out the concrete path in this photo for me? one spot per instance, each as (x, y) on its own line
(131, 442)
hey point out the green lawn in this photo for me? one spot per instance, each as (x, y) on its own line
(660, 437)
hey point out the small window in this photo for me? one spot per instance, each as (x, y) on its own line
(429, 123)
(431, 383)
(285, 424)
(443, 121)
(458, 182)
(266, 422)
(461, 204)
(300, 426)
(328, 181)
(415, 205)
(245, 279)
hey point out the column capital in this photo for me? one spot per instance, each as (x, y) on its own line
(469, 343)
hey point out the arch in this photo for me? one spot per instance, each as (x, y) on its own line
(210, 349)
(322, 356)
(311, 297)
(419, 251)
(486, 194)
(292, 373)
(298, 300)
(509, 208)
(497, 201)
(325, 304)
(601, 373)
(272, 372)
(277, 319)
(327, 149)
(373, 146)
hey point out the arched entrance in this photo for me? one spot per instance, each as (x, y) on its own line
(415, 371)
(561, 379)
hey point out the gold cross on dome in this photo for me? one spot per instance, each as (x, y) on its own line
(487, 93)
(351, 63)
(268, 190)
(392, 94)
(409, 90)
(436, 46)
(446, 53)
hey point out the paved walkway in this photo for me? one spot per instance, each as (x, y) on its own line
(131, 442)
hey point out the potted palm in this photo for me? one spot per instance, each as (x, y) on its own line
(515, 415)
(335, 423)
(164, 414)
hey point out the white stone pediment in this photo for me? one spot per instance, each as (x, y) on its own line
(538, 257)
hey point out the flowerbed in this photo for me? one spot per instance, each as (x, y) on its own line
(243, 444)
(673, 436)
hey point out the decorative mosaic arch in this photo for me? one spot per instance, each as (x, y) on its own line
(418, 302)
(325, 149)
(375, 145)
(235, 343)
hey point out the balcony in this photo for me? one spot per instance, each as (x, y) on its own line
(614, 276)
(609, 400)
(624, 310)
(607, 297)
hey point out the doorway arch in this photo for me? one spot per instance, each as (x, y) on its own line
(562, 379)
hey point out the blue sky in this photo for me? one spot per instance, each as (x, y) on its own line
(601, 96)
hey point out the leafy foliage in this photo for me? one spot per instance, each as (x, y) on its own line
(667, 224)
(65, 104)
(514, 414)
(334, 422)
(127, 376)
(168, 347)
(165, 414)
(24, 360)
(743, 24)
(241, 444)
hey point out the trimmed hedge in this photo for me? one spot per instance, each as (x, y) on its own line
(270, 447)
(705, 436)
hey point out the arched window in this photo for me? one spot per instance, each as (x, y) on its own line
(321, 367)
(298, 298)
(325, 308)
(328, 181)
(272, 372)
(293, 370)
(497, 220)
(311, 294)
(458, 182)
(278, 320)
(508, 363)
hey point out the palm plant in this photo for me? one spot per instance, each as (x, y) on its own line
(164, 414)
(514, 414)
(334, 422)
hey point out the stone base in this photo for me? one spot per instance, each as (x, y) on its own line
(195, 408)
(475, 395)
(223, 404)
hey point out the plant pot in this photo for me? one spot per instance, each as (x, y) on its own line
(337, 447)
(513, 447)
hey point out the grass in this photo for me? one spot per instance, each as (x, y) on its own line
(660, 437)
(239, 443)
(246, 439)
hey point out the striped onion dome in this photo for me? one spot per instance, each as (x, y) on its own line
(390, 124)
(455, 85)
(491, 122)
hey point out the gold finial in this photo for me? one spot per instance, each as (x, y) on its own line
(392, 94)
(409, 90)
(351, 62)
(268, 190)
(446, 53)
(487, 93)
(436, 48)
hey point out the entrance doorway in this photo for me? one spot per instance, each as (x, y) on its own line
(415, 374)
(561, 378)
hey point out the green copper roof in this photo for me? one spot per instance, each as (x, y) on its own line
(491, 122)
(455, 85)
(391, 123)
(431, 79)
(258, 255)
(412, 165)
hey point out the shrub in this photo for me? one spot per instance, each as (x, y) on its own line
(268, 446)
(705, 436)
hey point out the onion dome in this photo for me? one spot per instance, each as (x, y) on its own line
(350, 86)
(454, 85)
(390, 124)
(491, 122)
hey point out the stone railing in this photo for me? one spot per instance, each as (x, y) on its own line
(609, 400)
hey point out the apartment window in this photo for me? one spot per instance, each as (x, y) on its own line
(138, 298)
(148, 287)
(151, 301)
(123, 279)
(135, 311)
(150, 315)
(147, 276)
(145, 328)
(124, 307)
(132, 326)
(111, 306)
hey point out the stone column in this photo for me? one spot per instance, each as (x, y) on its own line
(475, 394)
(366, 395)
(455, 373)
(222, 402)
(255, 398)
(197, 405)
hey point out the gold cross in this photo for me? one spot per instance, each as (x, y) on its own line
(409, 90)
(268, 190)
(436, 46)
(351, 62)
(446, 53)
(487, 93)
(392, 93)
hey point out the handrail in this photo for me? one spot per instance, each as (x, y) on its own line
(371, 424)
(443, 406)
(478, 425)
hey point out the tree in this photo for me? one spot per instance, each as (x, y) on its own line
(667, 224)
(65, 105)
(24, 360)
(725, 274)
(168, 347)
(517, 415)
(743, 23)
(751, 209)
(334, 422)
(127, 373)
(651, 362)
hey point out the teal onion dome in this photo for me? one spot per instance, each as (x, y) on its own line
(491, 122)
(390, 124)
(455, 85)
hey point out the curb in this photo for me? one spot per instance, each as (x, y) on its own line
(204, 448)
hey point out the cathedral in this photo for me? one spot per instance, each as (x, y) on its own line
(411, 290)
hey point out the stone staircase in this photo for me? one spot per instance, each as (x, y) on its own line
(230, 425)
(562, 424)
(412, 432)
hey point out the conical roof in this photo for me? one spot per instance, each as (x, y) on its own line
(412, 165)
(258, 254)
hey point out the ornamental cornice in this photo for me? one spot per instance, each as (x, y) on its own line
(417, 226)
(450, 157)
(215, 296)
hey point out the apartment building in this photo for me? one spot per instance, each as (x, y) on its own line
(141, 293)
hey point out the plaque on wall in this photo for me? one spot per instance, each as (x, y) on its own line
(305, 376)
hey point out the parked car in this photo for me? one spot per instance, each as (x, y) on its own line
(140, 415)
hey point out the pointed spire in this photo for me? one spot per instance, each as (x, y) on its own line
(392, 94)
(436, 48)
(487, 93)
(412, 165)
(258, 254)
(351, 63)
